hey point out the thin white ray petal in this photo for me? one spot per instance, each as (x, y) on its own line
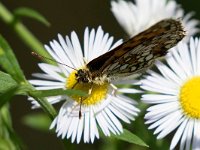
(69, 56)
(90, 45)
(198, 56)
(42, 76)
(80, 130)
(61, 56)
(159, 122)
(86, 44)
(184, 136)
(169, 125)
(158, 98)
(103, 124)
(109, 43)
(97, 51)
(116, 44)
(125, 106)
(118, 113)
(194, 57)
(168, 73)
(53, 124)
(127, 100)
(103, 43)
(46, 83)
(52, 73)
(178, 134)
(71, 53)
(196, 135)
(189, 134)
(158, 113)
(86, 127)
(114, 120)
(93, 127)
(77, 48)
(129, 90)
(170, 128)
(109, 123)
(75, 128)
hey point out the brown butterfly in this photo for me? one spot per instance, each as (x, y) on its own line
(135, 55)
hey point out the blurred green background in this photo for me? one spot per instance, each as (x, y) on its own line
(65, 16)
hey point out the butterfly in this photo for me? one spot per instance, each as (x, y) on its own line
(131, 57)
(135, 55)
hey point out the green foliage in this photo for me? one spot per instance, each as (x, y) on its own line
(6, 144)
(8, 138)
(6, 82)
(30, 13)
(38, 121)
(127, 136)
(8, 87)
(55, 92)
(9, 62)
(6, 96)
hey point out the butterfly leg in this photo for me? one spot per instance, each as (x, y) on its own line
(114, 89)
(90, 90)
(74, 85)
(81, 100)
(80, 114)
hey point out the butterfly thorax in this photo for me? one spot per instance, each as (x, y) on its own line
(85, 76)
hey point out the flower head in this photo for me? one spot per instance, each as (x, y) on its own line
(138, 16)
(175, 96)
(104, 106)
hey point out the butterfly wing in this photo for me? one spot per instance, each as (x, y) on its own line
(138, 53)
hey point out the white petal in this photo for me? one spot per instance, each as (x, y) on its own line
(77, 49)
(47, 69)
(129, 90)
(80, 130)
(86, 127)
(86, 43)
(178, 134)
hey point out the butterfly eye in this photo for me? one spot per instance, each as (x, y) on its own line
(82, 76)
(81, 72)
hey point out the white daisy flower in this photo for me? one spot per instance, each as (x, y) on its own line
(138, 16)
(102, 109)
(174, 93)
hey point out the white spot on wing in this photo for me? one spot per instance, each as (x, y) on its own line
(124, 67)
(113, 66)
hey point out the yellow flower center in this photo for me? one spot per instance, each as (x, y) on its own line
(190, 97)
(98, 92)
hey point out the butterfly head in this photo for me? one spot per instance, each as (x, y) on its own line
(83, 76)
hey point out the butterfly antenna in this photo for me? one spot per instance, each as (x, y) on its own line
(43, 57)
(80, 114)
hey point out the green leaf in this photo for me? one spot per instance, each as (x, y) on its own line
(55, 92)
(9, 62)
(30, 13)
(5, 97)
(6, 82)
(6, 144)
(130, 137)
(6, 131)
(37, 121)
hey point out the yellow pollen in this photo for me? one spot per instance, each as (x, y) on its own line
(190, 97)
(98, 92)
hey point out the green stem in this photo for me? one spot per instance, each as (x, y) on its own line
(28, 89)
(26, 36)
(47, 107)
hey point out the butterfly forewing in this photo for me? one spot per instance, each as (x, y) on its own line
(138, 53)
